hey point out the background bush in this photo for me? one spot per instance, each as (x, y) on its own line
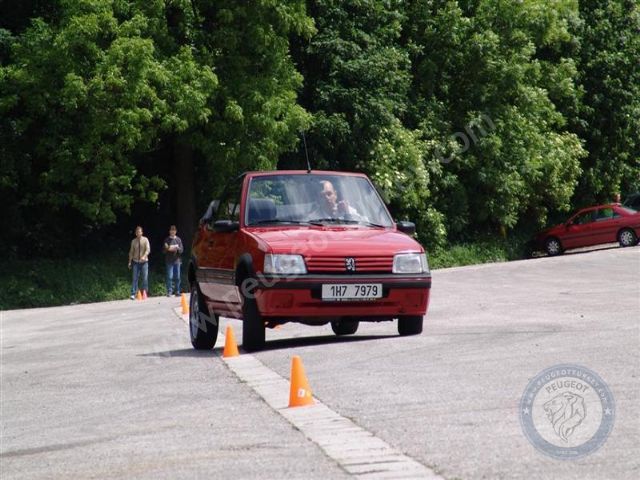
(477, 119)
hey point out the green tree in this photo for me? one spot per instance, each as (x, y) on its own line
(92, 93)
(257, 115)
(470, 115)
(479, 75)
(79, 99)
(609, 120)
(357, 78)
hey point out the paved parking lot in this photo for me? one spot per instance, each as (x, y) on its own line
(114, 390)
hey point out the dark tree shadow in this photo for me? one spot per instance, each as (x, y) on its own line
(184, 352)
(283, 343)
(279, 344)
(592, 249)
(580, 251)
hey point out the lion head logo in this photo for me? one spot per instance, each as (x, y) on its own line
(350, 264)
(565, 412)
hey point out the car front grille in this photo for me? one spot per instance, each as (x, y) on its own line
(363, 264)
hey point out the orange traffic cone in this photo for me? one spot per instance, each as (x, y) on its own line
(138, 295)
(184, 304)
(144, 294)
(230, 345)
(300, 392)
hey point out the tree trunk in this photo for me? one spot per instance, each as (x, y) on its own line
(185, 201)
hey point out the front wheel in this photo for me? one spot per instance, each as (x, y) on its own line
(627, 238)
(253, 330)
(202, 326)
(553, 246)
(411, 325)
(344, 327)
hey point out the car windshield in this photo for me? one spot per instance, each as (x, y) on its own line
(314, 199)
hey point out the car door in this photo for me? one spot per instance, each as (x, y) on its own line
(605, 226)
(578, 230)
(219, 254)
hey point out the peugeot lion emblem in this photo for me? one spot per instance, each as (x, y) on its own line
(350, 264)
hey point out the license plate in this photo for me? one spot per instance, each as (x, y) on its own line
(351, 291)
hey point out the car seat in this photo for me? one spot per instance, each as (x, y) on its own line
(261, 210)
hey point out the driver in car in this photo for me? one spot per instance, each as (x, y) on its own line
(329, 207)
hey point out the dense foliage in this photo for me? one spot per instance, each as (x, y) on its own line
(472, 116)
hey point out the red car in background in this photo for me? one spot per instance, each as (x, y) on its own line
(308, 247)
(592, 226)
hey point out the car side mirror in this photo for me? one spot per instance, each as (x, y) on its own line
(224, 226)
(568, 224)
(406, 227)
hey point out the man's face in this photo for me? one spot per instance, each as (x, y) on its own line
(329, 195)
(138, 232)
(172, 232)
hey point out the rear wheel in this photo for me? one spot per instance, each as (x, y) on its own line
(553, 246)
(345, 327)
(627, 238)
(202, 326)
(253, 330)
(411, 325)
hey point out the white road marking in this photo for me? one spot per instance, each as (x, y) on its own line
(355, 449)
(358, 451)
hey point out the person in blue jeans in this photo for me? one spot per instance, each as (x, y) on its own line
(172, 251)
(139, 262)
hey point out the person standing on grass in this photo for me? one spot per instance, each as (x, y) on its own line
(139, 260)
(172, 250)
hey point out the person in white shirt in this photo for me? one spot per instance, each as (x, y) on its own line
(139, 261)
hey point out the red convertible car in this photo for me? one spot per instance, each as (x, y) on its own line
(592, 226)
(309, 247)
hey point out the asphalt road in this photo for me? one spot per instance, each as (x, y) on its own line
(114, 390)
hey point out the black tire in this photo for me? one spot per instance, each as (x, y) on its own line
(203, 327)
(553, 246)
(627, 238)
(345, 326)
(253, 330)
(410, 325)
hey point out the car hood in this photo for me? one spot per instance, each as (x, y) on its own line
(336, 240)
(549, 230)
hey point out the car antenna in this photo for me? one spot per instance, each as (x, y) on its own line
(306, 153)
